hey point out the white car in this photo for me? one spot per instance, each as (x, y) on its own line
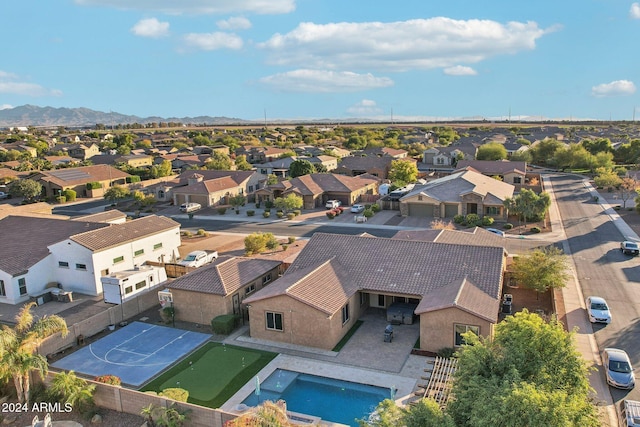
(358, 208)
(496, 231)
(190, 207)
(332, 204)
(199, 258)
(598, 310)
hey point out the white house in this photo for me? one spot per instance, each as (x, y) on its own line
(121, 286)
(43, 252)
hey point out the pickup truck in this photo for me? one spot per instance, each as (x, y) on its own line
(199, 258)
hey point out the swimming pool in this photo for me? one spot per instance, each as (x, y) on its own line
(332, 400)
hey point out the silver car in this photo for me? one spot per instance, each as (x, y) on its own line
(618, 369)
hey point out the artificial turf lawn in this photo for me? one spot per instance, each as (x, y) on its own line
(213, 373)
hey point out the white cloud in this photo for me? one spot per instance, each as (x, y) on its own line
(460, 70)
(615, 88)
(6, 107)
(10, 83)
(213, 41)
(634, 12)
(150, 27)
(234, 23)
(365, 108)
(174, 7)
(399, 46)
(324, 81)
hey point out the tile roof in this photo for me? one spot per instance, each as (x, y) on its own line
(396, 266)
(106, 216)
(82, 175)
(493, 167)
(209, 186)
(318, 183)
(225, 276)
(237, 176)
(26, 239)
(118, 234)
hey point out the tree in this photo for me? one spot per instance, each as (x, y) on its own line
(544, 151)
(27, 188)
(423, 413)
(301, 167)
(242, 164)
(403, 172)
(161, 170)
(528, 205)
(606, 178)
(116, 192)
(68, 388)
(289, 202)
(272, 179)
(355, 142)
(219, 161)
(256, 243)
(18, 357)
(237, 201)
(541, 269)
(627, 189)
(491, 151)
(530, 373)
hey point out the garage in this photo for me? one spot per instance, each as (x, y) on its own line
(450, 211)
(421, 209)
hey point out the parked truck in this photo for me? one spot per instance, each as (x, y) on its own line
(199, 258)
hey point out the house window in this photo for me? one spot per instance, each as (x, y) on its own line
(381, 302)
(118, 259)
(138, 252)
(461, 329)
(128, 290)
(249, 289)
(492, 210)
(419, 197)
(345, 313)
(81, 267)
(517, 180)
(250, 189)
(63, 264)
(363, 298)
(141, 285)
(3, 292)
(274, 321)
(266, 279)
(440, 161)
(22, 286)
(157, 246)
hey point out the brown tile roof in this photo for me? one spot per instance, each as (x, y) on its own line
(225, 276)
(318, 183)
(237, 176)
(493, 167)
(26, 239)
(117, 234)
(82, 175)
(395, 266)
(473, 236)
(106, 216)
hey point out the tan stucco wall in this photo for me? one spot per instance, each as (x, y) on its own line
(199, 308)
(302, 324)
(437, 327)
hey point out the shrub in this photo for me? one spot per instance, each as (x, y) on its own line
(508, 226)
(438, 224)
(251, 212)
(257, 205)
(446, 352)
(535, 229)
(187, 233)
(266, 214)
(285, 246)
(280, 214)
(222, 211)
(297, 212)
(132, 178)
(61, 199)
(93, 185)
(175, 393)
(368, 213)
(472, 220)
(331, 214)
(267, 209)
(268, 204)
(487, 221)
(256, 243)
(201, 232)
(70, 195)
(108, 379)
(224, 324)
(291, 216)
(291, 239)
(458, 219)
(375, 208)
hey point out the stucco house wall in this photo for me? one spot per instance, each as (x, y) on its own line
(437, 328)
(199, 308)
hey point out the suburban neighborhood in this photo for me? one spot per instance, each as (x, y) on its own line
(412, 259)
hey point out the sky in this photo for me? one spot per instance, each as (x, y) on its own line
(325, 59)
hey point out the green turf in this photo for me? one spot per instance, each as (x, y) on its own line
(213, 373)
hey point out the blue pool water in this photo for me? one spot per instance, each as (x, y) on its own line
(332, 400)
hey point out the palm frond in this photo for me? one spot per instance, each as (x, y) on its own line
(24, 318)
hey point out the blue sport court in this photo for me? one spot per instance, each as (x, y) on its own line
(135, 353)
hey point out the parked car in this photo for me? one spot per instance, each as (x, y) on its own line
(629, 248)
(332, 204)
(495, 231)
(4, 195)
(199, 258)
(598, 310)
(190, 207)
(630, 413)
(358, 208)
(618, 369)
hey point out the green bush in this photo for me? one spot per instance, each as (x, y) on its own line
(257, 205)
(368, 213)
(222, 211)
(291, 216)
(297, 212)
(61, 199)
(535, 229)
(375, 208)
(472, 220)
(331, 214)
(187, 233)
(446, 352)
(285, 247)
(201, 232)
(508, 226)
(458, 219)
(70, 195)
(487, 221)
(132, 178)
(268, 204)
(251, 212)
(93, 185)
(267, 210)
(224, 324)
(108, 379)
(291, 239)
(280, 214)
(175, 393)
(266, 214)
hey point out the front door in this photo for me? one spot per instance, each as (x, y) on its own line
(472, 208)
(236, 304)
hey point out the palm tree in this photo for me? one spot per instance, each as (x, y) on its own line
(268, 414)
(18, 345)
(75, 391)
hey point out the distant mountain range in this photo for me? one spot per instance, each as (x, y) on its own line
(32, 115)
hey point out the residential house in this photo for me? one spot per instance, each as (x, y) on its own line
(448, 156)
(55, 181)
(278, 167)
(73, 255)
(261, 154)
(338, 151)
(79, 151)
(316, 188)
(513, 147)
(451, 288)
(509, 172)
(330, 163)
(461, 193)
(220, 287)
(212, 188)
(372, 165)
(61, 161)
(386, 151)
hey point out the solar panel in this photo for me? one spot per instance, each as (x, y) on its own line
(70, 174)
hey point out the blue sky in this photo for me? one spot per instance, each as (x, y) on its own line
(312, 59)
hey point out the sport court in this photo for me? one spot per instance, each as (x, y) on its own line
(135, 353)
